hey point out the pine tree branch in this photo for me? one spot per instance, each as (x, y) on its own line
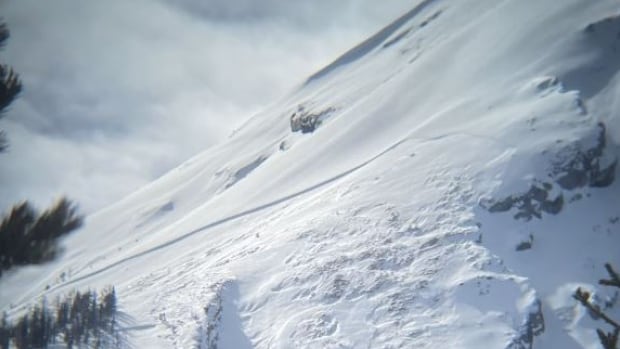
(608, 340)
(614, 277)
(584, 298)
(4, 34)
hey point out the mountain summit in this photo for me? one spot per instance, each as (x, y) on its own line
(448, 183)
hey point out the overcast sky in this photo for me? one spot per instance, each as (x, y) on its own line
(118, 92)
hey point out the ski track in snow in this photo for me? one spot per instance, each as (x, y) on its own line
(224, 220)
(375, 230)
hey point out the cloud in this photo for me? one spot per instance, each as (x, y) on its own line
(118, 92)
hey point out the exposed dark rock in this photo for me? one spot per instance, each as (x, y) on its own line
(553, 206)
(584, 168)
(525, 245)
(529, 204)
(307, 121)
(573, 179)
(572, 168)
(533, 326)
(603, 177)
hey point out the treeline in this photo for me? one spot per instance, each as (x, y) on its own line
(82, 320)
(27, 237)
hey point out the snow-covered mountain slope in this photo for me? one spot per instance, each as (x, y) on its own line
(455, 183)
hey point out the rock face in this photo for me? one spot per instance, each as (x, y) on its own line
(307, 121)
(525, 244)
(529, 204)
(573, 167)
(585, 168)
(533, 325)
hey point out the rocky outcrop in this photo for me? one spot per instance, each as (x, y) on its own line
(580, 168)
(572, 167)
(529, 204)
(307, 121)
(532, 326)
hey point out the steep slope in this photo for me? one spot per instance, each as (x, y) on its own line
(454, 183)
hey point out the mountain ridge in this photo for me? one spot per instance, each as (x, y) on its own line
(422, 210)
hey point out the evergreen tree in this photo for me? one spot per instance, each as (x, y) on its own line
(62, 314)
(5, 332)
(108, 307)
(36, 332)
(25, 238)
(12, 231)
(10, 85)
(21, 333)
(83, 320)
(29, 238)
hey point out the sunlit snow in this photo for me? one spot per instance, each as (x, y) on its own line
(462, 186)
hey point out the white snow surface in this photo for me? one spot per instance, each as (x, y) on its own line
(372, 231)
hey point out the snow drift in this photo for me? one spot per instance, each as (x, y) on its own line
(458, 183)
